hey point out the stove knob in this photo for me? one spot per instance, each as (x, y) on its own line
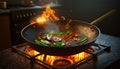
(24, 15)
(27, 14)
(34, 13)
(30, 14)
(17, 16)
(15, 25)
(20, 16)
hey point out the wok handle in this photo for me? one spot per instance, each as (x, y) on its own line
(103, 17)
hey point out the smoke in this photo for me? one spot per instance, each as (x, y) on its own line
(52, 27)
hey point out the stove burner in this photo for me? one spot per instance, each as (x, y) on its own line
(64, 62)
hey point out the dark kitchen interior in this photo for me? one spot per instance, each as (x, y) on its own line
(16, 14)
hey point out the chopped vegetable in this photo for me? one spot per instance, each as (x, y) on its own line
(57, 38)
(43, 36)
(68, 32)
(61, 33)
(67, 26)
(60, 39)
(82, 39)
(41, 43)
(59, 44)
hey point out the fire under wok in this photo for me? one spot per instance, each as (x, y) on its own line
(88, 33)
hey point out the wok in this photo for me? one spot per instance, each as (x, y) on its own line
(30, 32)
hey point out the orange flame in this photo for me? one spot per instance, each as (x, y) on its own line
(50, 59)
(47, 15)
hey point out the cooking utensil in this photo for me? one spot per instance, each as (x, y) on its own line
(30, 32)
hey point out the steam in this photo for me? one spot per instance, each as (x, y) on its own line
(52, 27)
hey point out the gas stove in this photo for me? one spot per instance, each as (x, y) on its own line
(60, 62)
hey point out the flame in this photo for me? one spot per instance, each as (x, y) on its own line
(47, 15)
(50, 59)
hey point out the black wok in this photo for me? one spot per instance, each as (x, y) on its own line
(30, 32)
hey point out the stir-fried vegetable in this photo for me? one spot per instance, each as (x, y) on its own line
(82, 39)
(59, 44)
(67, 26)
(41, 43)
(60, 39)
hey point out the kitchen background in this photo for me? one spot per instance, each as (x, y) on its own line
(15, 14)
(85, 10)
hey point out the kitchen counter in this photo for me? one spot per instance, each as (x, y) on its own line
(11, 60)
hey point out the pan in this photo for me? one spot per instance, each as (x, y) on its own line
(89, 30)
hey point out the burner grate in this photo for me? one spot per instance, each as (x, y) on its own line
(98, 49)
